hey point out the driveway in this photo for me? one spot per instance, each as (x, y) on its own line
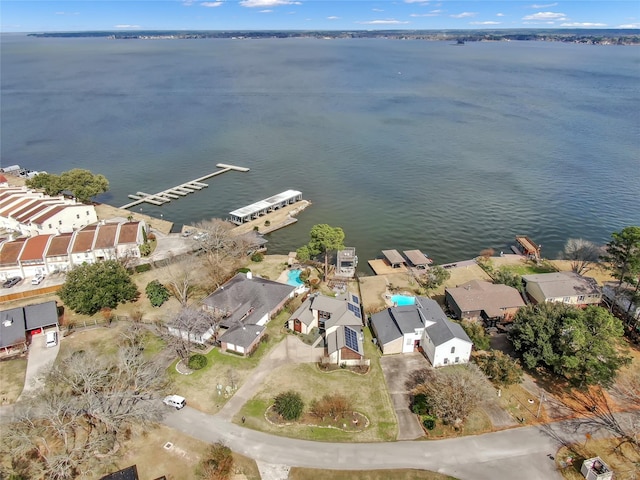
(39, 361)
(396, 370)
(289, 350)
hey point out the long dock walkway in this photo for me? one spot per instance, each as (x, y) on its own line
(181, 190)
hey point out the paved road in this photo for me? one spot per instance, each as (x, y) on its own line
(518, 453)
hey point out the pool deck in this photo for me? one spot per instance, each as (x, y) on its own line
(382, 267)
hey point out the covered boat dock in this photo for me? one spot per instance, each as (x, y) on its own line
(268, 205)
(417, 259)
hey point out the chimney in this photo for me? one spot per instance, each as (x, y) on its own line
(249, 276)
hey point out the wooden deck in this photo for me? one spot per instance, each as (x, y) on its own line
(382, 267)
(181, 190)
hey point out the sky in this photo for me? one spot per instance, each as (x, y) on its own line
(127, 15)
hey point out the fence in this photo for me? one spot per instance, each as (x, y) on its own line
(30, 293)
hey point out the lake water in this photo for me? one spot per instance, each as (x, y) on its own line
(404, 144)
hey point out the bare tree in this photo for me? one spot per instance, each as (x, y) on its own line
(453, 393)
(187, 328)
(68, 428)
(582, 254)
(216, 237)
(182, 280)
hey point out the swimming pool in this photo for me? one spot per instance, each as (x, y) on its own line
(403, 300)
(293, 278)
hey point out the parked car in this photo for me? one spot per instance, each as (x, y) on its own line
(37, 279)
(175, 401)
(10, 282)
(52, 339)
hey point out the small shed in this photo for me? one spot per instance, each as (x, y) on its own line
(394, 258)
(595, 469)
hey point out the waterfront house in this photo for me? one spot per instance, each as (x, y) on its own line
(480, 300)
(246, 301)
(421, 326)
(339, 324)
(562, 287)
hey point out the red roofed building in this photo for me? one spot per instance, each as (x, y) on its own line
(32, 258)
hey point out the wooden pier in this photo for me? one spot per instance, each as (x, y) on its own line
(181, 190)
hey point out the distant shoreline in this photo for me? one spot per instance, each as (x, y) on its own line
(580, 36)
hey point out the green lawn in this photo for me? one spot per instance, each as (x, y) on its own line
(367, 392)
(530, 268)
(12, 374)
(226, 369)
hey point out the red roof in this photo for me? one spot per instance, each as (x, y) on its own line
(8, 211)
(10, 251)
(128, 232)
(106, 236)
(83, 240)
(59, 245)
(34, 249)
(3, 179)
(48, 214)
(31, 210)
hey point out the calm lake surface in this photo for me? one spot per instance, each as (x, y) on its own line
(404, 144)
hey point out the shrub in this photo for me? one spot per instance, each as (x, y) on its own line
(289, 405)
(304, 275)
(145, 267)
(501, 369)
(267, 223)
(151, 237)
(157, 293)
(216, 464)
(145, 249)
(331, 405)
(197, 361)
(257, 257)
(429, 422)
(244, 270)
(420, 404)
(477, 334)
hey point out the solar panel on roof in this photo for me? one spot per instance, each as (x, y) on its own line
(355, 299)
(351, 339)
(354, 309)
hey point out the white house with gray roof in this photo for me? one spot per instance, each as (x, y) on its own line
(422, 325)
(562, 287)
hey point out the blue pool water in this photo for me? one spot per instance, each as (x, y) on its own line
(403, 300)
(293, 278)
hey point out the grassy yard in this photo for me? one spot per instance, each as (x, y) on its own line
(12, 374)
(367, 392)
(147, 451)
(397, 474)
(625, 463)
(226, 369)
(476, 423)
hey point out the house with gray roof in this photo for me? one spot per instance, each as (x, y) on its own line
(421, 326)
(17, 325)
(246, 300)
(339, 321)
(562, 287)
(481, 300)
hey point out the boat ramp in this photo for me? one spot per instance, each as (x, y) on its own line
(181, 190)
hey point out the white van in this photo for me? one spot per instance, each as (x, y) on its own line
(175, 401)
(52, 339)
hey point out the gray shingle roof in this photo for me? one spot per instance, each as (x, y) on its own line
(12, 327)
(241, 295)
(394, 322)
(41, 315)
(563, 284)
(242, 335)
(337, 307)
